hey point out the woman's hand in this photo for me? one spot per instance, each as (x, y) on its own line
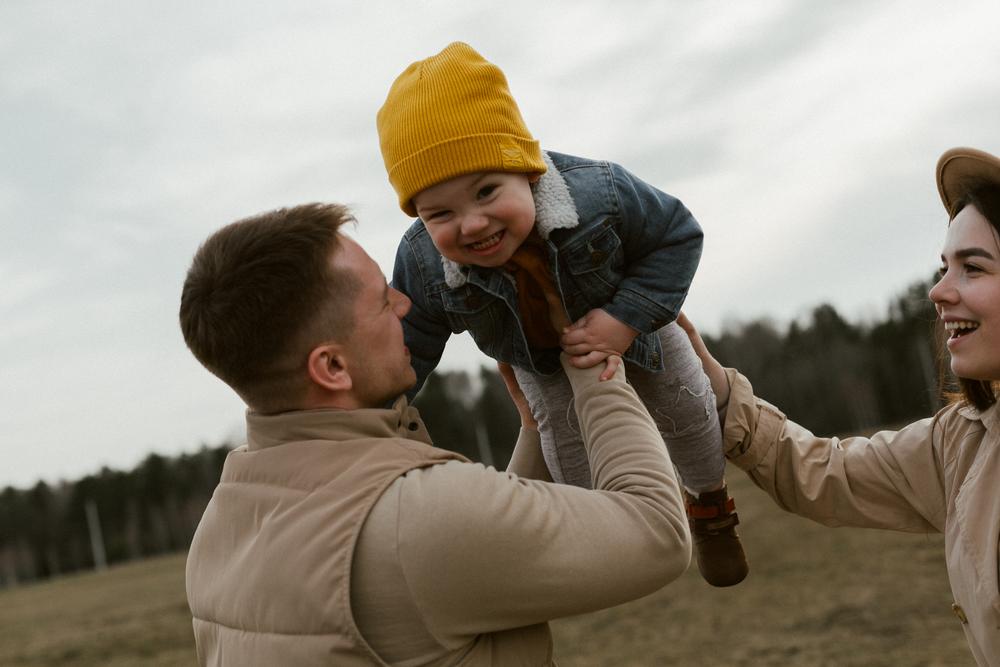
(517, 396)
(713, 369)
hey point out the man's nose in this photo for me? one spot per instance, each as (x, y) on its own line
(401, 303)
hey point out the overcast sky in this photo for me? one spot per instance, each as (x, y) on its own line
(803, 136)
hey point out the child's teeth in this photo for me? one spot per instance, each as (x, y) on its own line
(485, 243)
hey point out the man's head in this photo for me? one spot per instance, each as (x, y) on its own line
(448, 115)
(272, 305)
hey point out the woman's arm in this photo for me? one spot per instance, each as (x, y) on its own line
(892, 480)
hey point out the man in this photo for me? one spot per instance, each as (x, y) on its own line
(338, 534)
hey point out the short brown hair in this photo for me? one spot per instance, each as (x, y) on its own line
(261, 294)
(985, 199)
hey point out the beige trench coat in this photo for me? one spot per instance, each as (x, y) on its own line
(940, 474)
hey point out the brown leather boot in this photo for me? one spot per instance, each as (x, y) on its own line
(712, 516)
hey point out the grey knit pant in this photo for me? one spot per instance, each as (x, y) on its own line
(679, 398)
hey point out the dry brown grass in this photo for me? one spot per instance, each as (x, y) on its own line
(134, 614)
(815, 596)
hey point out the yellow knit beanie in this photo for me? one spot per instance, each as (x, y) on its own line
(448, 115)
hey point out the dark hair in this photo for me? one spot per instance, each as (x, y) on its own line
(986, 199)
(261, 294)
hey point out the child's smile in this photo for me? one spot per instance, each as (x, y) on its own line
(489, 244)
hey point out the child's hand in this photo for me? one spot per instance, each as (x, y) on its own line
(596, 337)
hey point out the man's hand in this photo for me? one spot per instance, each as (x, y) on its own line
(597, 337)
(528, 422)
(713, 369)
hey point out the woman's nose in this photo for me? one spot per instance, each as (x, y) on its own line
(942, 291)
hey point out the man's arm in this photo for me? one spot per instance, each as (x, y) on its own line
(526, 461)
(483, 551)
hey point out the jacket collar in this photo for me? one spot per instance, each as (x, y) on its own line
(401, 420)
(554, 209)
(990, 416)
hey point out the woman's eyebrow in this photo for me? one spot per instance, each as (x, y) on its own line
(974, 252)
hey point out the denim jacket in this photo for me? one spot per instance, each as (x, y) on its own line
(614, 242)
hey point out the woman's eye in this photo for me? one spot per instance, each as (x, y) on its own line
(941, 271)
(972, 268)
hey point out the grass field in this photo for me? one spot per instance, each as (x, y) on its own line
(815, 597)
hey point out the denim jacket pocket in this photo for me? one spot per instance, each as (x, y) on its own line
(474, 310)
(595, 264)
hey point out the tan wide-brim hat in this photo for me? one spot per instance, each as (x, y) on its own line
(963, 169)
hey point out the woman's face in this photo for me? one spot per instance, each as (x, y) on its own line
(967, 297)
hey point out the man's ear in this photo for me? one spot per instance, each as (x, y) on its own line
(328, 368)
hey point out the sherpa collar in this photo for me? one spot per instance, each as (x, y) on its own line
(554, 209)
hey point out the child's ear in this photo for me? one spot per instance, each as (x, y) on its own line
(328, 368)
(533, 178)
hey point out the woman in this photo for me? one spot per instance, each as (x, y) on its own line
(939, 474)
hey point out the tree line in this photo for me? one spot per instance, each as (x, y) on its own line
(826, 373)
(836, 377)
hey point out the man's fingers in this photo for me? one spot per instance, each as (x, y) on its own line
(588, 360)
(577, 350)
(611, 367)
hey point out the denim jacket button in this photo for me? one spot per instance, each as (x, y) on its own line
(597, 257)
(655, 358)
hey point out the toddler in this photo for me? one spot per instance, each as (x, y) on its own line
(533, 252)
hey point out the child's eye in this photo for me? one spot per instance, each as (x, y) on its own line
(485, 191)
(437, 216)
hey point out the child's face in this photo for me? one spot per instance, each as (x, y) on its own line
(479, 218)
